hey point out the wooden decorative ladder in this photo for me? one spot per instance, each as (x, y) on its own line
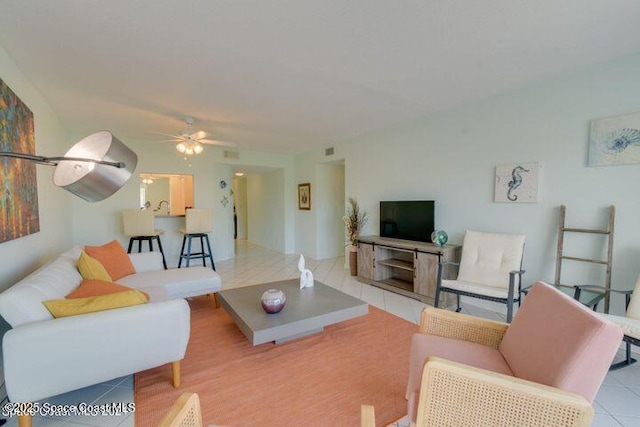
(561, 256)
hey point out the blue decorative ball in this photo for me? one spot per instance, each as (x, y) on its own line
(439, 237)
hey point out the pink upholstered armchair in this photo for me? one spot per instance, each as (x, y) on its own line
(544, 369)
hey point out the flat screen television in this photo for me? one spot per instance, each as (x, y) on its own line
(407, 219)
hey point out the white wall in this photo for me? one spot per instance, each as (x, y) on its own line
(330, 209)
(257, 161)
(20, 256)
(451, 158)
(98, 223)
(101, 222)
(306, 232)
(265, 208)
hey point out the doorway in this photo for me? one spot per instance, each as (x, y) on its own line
(258, 200)
(239, 186)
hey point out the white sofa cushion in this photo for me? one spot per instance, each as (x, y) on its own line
(177, 282)
(22, 303)
(630, 327)
(48, 358)
(476, 288)
(488, 258)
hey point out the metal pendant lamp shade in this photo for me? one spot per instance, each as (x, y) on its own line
(94, 181)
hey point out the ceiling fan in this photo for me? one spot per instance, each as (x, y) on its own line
(189, 142)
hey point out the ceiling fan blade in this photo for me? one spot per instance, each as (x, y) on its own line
(220, 143)
(166, 134)
(199, 135)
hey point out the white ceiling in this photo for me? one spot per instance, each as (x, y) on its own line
(292, 75)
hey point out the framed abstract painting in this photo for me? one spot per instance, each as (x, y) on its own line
(18, 185)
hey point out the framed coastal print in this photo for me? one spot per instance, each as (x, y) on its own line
(615, 141)
(304, 196)
(517, 183)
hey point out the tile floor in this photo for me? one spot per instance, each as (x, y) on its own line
(617, 403)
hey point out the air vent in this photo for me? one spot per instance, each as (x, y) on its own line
(228, 154)
(329, 151)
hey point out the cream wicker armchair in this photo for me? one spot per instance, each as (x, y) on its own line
(544, 369)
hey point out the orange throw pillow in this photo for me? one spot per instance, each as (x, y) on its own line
(96, 288)
(114, 259)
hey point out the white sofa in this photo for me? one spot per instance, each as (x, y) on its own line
(45, 357)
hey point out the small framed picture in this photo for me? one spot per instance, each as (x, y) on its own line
(517, 183)
(615, 141)
(304, 196)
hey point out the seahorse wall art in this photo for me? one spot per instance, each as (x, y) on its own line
(517, 183)
(615, 141)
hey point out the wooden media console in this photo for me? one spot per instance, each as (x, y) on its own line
(405, 267)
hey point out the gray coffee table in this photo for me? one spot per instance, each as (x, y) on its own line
(307, 311)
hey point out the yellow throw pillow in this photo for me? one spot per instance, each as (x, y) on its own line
(72, 307)
(91, 268)
(114, 259)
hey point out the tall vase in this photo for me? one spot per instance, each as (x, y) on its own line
(353, 260)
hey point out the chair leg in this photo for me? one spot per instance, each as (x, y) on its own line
(150, 240)
(164, 261)
(175, 373)
(512, 284)
(628, 360)
(25, 420)
(438, 284)
(189, 250)
(206, 237)
(139, 245)
(509, 311)
(204, 260)
(184, 240)
(130, 245)
(458, 308)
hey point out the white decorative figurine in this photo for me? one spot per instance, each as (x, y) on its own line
(306, 276)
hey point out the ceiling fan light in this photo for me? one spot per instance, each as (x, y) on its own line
(197, 148)
(181, 147)
(188, 151)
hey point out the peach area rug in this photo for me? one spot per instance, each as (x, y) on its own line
(320, 380)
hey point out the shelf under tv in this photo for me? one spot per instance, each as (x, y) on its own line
(397, 263)
(398, 284)
(405, 267)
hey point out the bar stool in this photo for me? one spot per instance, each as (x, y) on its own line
(139, 226)
(198, 223)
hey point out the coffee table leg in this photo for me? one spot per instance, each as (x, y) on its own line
(295, 337)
